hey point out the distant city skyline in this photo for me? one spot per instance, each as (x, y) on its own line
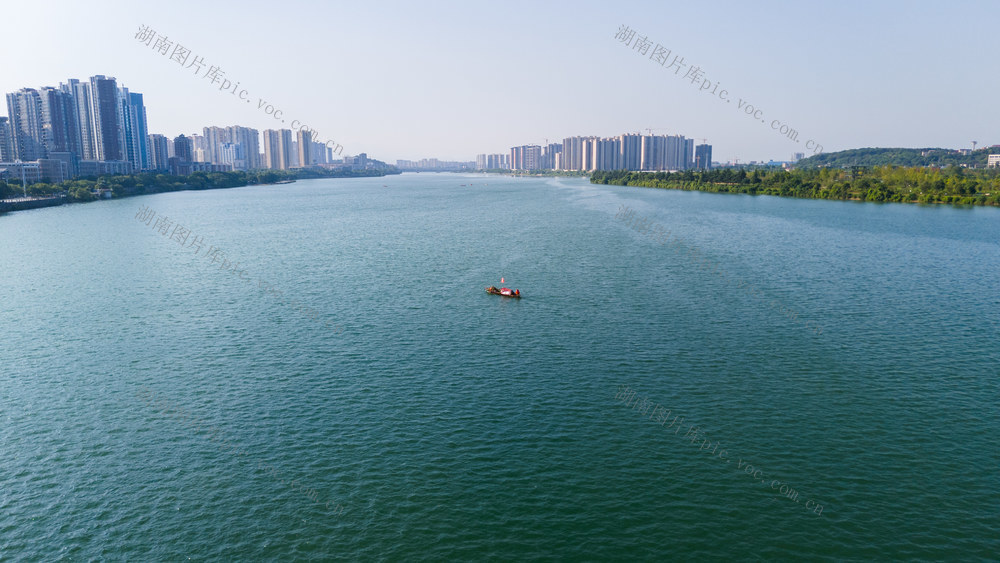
(451, 80)
(97, 126)
(589, 153)
(100, 126)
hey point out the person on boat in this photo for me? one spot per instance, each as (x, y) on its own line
(517, 292)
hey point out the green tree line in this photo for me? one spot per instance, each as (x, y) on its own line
(82, 189)
(899, 157)
(953, 185)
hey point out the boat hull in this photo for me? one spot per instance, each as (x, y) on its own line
(494, 291)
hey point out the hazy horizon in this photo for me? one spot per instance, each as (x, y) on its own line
(452, 81)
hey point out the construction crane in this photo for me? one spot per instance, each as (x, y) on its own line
(650, 130)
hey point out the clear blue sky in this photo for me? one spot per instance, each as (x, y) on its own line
(454, 79)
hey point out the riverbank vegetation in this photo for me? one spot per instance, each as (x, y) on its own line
(900, 157)
(87, 189)
(953, 185)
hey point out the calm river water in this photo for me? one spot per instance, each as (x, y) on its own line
(313, 371)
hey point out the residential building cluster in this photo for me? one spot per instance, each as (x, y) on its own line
(80, 128)
(493, 162)
(97, 127)
(434, 164)
(624, 152)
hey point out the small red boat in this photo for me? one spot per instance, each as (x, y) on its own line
(504, 291)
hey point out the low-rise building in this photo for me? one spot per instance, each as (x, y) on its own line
(28, 172)
(50, 170)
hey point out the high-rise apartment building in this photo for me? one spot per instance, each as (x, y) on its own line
(198, 150)
(106, 114)
(526, 157)
(625, 152)
(654, 153)
(184, 152)
(215, 138)
(59, 121)
(6, 143)
(703, 157)
(159, 152)
(320, 154)
(606, 153)
(573, 153)
(610, 154)
(249, 140)
(492, 162)
(80, 91)
(589, 153)
(77, 123)
(278, 149)
(286, 148)
(304, 140)
(271, 154)
(233, 155)
(550, 156)
(631, 151)
(24, 108)
(133, 129)
(184, 148)
(677, 159)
